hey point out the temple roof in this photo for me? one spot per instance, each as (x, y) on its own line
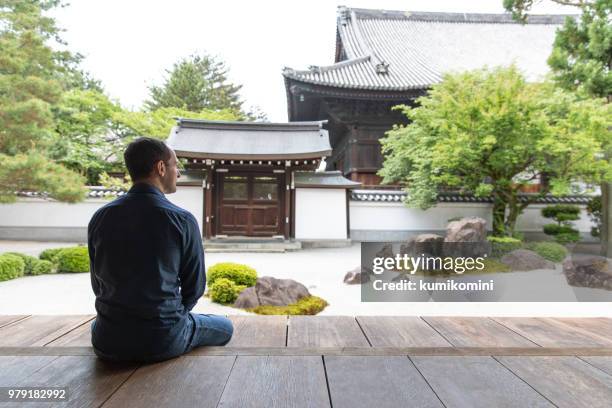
(383, 50)
(204, 139)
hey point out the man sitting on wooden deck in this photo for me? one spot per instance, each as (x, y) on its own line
(147, 267)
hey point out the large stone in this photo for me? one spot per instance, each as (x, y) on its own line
(385, 252)
(470, 229)
(271, 291)
(430, 244)
(526, 260)
(466, 237)
(588, 271)
(354, 277)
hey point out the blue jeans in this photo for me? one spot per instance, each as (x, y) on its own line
(209, 330)
(203, 330)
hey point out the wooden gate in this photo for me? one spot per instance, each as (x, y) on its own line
(249, 204)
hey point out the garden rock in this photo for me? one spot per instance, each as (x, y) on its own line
(588, 271)
(423, 243)
(353, 277)
(271, 291)
(526, 260)
(385, 252)
(470, 229)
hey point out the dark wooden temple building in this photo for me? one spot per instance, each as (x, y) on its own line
(385, 58)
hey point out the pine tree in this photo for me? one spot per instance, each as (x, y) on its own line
(196, 83)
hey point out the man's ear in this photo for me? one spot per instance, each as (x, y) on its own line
(161, 168)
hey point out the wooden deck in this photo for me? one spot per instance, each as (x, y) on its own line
(329, 361)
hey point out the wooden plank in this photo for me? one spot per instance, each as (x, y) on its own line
(336, 351)
(325, 331)
(400, 331)
(377, 382)
(476, 382)
(259, 331)
(13, 369)
(48, 351)
(477, 332)
(79, 337)
(39, 330)
(89, 381)
(599, 327)
(5, 320)
(565, 381)
(603, 363)
(549, 332)
(181, 382)
(275, 381)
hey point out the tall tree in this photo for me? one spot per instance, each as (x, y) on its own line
(83, 135)
(489, 133)
(582, 60)
(194, 84)
(30, 72)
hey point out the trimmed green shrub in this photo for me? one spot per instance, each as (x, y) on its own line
(73, 260)
(500, 246)
(42, 267)
(555, 229)
(563, 232)
(549, 250)
(11, 267)
(308, 305)
(27, 260)
(561, 212)
(224, 291)
(568, 237)
(49, 254)
(237, 273)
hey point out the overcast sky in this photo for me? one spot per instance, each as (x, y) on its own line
(128, 44)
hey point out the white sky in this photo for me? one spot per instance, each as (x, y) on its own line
(128, 44)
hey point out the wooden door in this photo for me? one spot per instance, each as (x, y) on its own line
(249, 204)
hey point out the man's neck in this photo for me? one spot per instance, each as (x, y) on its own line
(153, 183)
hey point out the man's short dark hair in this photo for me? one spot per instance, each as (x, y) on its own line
(142, 154)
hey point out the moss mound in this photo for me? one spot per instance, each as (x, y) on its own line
(309, 305)
(551, 251)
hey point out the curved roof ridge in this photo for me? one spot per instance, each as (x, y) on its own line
(246, 125)
(499, 18)
(287, 71)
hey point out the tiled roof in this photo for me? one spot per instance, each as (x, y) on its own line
(323, 179)
(401, 51)
(249, 140)
(398, 196)
(94, 192)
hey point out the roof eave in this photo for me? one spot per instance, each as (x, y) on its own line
(254, 157)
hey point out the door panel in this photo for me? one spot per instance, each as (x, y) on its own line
(249, 204)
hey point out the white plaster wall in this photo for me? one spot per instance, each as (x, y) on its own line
(367, 215)
(191, 198)
(532, 220)
(320, 213)
(36, 212)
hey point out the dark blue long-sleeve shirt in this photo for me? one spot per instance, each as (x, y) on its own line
(147, 272)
